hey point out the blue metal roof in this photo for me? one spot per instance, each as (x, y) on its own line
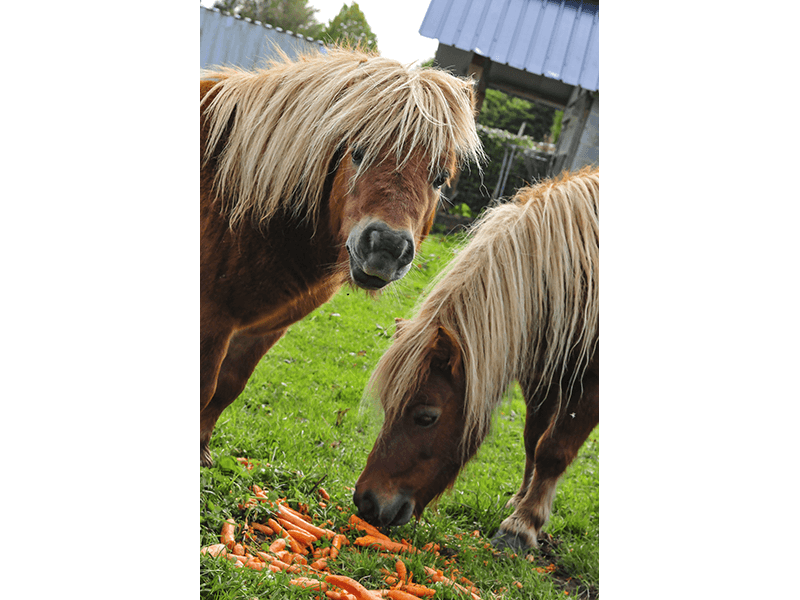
(558, 39)
(229, 40)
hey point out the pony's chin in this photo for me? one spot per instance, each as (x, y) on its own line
(363, 280)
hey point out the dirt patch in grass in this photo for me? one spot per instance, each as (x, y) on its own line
(546, 555)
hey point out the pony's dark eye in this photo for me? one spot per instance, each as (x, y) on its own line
(358, 156)
(440, 179)
(426, 417)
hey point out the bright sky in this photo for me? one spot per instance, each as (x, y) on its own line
(396, 25)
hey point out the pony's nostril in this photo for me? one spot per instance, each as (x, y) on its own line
(404, 513)
(407, 254)
(380, 238)
(367, 505)
(374, 241)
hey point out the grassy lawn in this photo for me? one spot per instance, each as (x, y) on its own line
(301, 413)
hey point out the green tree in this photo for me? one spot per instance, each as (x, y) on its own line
(502, 111)
(291, 15)
(350, 27)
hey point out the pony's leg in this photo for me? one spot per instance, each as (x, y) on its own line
(537, 419)
(555, 450)
(213, 347)
(244, 353)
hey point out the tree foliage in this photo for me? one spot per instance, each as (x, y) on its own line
(350, 28)
(502, 111)
(291, 15)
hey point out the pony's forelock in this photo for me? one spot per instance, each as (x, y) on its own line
(283, 125)
(520, 298)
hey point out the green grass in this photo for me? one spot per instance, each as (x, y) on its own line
(301, 413)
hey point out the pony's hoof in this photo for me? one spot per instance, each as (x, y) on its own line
(506, 540)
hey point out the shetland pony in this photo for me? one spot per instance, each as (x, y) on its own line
(519, 302)
(314, 172)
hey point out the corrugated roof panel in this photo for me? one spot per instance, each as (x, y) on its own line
(227, 40)
(573, 62)
(503, 45)
(486, 27)
(530, 24)
(555, 38)
(559, 42)
(590, 71)
(471, 25)
(540, 47)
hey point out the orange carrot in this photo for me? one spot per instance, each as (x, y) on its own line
(290, 516)
(307, 582)
(299, 559)
(418, 590)
(302, 536)
(320, 564)
(282, 566)
(439, 576)
(277, 545)
(350, 586)
(293, 543)
(262, 528)
(400, 567)
(400, 595)
(291, 558)
(257, 565)
(238, 549)
(288, 525)
(383, 544)
(324, 494)
(237, 560)
(297, 513)
(336, 544)
(431, 547)
(215, 549)
(228, 531)
(360, 523)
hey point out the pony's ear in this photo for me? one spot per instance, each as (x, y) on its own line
(398, 325)
(446, 351)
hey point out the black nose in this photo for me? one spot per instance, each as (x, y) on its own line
(379, 254)
(396, 510)
(367, 505)
(379, 240)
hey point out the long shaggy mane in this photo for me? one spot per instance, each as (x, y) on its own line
(521, 299)
(279, 128)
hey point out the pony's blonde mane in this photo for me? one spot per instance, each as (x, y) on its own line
(290, 119)
(520, 298)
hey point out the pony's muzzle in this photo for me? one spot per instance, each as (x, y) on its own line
(382, 510)
(379, 254)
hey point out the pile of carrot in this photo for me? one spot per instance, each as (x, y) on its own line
(297, 549)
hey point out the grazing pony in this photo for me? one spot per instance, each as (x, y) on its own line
(519, 302)
(314, 172)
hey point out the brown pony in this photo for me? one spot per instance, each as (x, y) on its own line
(314, 172)
(520, 302)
